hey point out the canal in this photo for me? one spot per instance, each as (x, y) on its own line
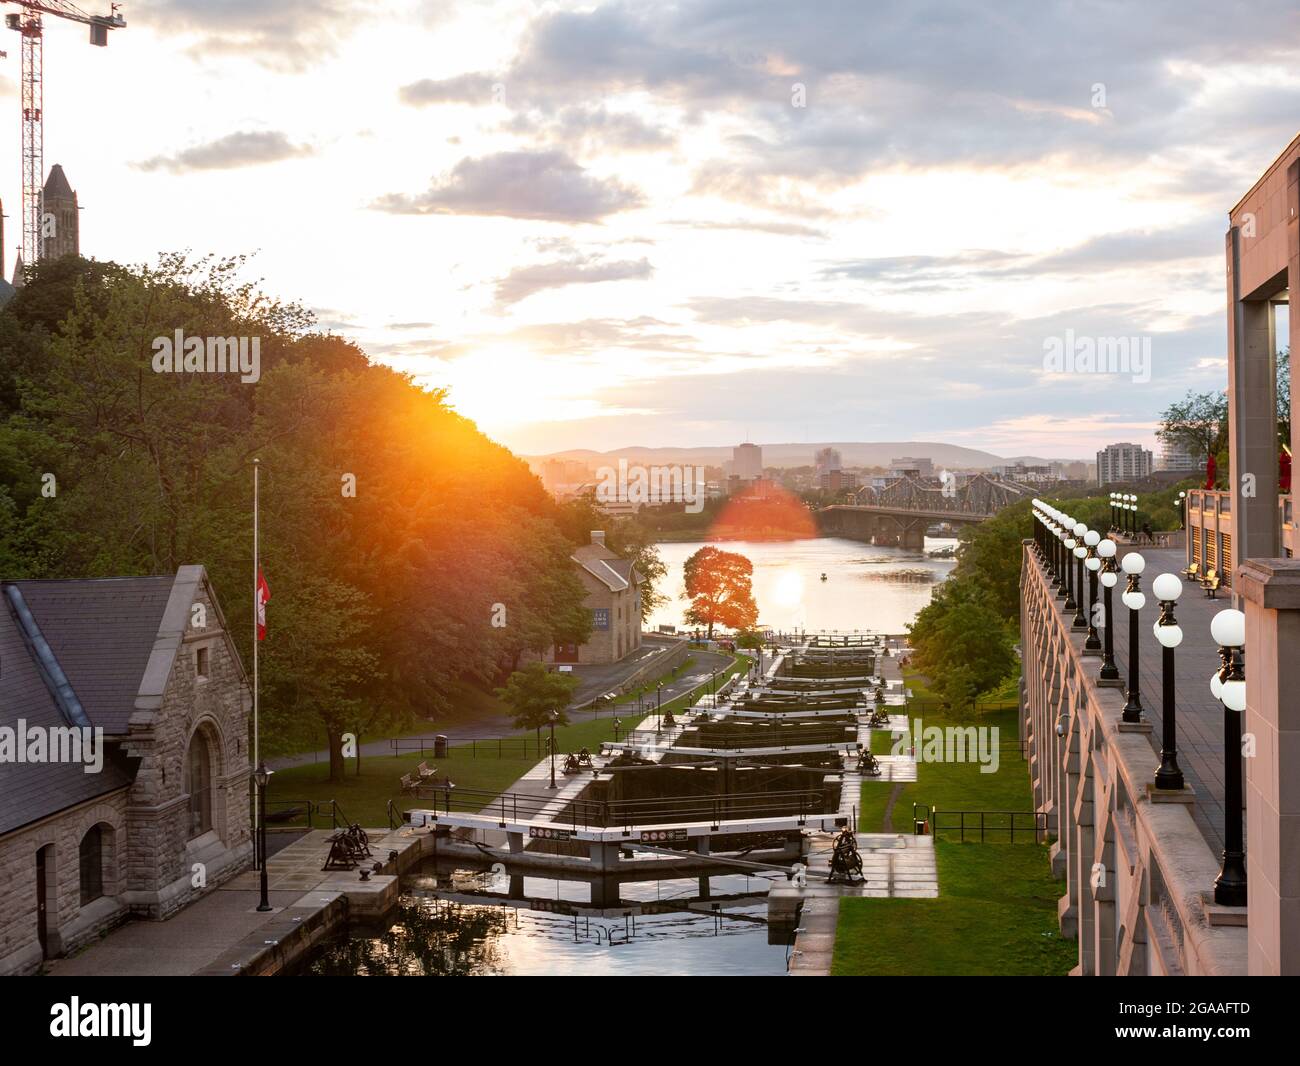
(866, 587)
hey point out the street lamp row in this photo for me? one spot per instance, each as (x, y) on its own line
(1061, 542)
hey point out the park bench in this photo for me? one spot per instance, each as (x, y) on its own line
(424, 771)
(409, 784)
(1192, 572)
(1211, 582)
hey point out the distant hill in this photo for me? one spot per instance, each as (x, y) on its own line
(853, 453)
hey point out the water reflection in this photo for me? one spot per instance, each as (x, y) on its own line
(866, 588)
(466, 923)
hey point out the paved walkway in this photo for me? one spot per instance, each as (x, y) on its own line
(1199, 715)
(501, 725)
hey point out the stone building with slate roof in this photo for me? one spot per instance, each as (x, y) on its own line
(614, 600)
(149, 661)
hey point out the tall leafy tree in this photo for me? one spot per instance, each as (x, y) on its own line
(720, 586)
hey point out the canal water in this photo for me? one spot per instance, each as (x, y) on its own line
(550, 928)
(866, 588)
(484, 923)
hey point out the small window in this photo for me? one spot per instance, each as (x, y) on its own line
(201, 662)
(92, 865)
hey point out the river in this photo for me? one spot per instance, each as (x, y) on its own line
(866, 588)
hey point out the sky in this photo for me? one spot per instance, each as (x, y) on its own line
(635, 223)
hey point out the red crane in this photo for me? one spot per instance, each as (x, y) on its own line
(28, 23)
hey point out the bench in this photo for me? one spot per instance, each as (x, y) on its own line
(409, 785)
(1192, 572)
(424, 771)
(1211, 582)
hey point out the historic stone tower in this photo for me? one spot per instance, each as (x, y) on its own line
(59, 216)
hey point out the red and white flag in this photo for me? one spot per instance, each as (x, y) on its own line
(263, 594)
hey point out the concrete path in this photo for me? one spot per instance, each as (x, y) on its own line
(501, 725)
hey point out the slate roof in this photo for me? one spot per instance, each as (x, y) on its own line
(605, 566)
(30, 791)
(56, 185)
(102, 633)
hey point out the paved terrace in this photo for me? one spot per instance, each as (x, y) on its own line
(1199, 714)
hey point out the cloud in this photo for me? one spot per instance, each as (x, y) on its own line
(539, 185)
(522, 282)
(243, 149)
(286, 34)
(461, 89)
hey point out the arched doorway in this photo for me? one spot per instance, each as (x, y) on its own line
(198, 785)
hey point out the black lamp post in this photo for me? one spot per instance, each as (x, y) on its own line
(1229, 686)
(263, 777)
(1167, 588)
(1112, 512)
(1067, 557)
(618, 724)
(1182, 510)
(1133, 564)
(1080, 553)
(1109, 578)
(659, 696)
(554, 716)
(1093, 562)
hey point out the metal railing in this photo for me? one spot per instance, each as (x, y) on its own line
(612, 814)
(982, 825)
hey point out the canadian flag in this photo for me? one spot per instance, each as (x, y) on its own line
(263, 594)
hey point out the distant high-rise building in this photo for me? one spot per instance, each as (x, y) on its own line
(1177, 456)
(59, 223)
(747, 462)
(1123, 462)
(916, 465)
(827, 461)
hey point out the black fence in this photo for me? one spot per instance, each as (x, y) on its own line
(982, 826)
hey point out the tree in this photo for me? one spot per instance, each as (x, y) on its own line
(962, 644)
(1198, 422)
(720, 585)
(534, 692)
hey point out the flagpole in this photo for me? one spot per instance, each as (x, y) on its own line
(257, 752)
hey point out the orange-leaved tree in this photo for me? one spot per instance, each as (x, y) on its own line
(720, 585)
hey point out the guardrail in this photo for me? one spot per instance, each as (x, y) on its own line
(981, 825)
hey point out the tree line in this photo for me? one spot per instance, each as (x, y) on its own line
(408, 554)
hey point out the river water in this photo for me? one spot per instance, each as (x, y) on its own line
(866, 588)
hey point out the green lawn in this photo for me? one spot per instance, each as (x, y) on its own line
(996, 915)
(364, 798)
(996, 911)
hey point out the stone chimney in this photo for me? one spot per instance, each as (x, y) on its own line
(598, 537)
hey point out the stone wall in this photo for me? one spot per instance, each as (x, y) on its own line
(166, 869)
(69, 925)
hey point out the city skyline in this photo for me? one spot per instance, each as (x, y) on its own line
(665, 225)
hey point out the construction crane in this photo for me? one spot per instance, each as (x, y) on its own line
(28, 23)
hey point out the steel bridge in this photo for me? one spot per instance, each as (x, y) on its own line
(899, 514)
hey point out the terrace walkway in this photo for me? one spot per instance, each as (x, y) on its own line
(1199, 714)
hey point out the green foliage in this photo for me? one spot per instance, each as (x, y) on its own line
(962, 642)
(534, 693)
(384, 599)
